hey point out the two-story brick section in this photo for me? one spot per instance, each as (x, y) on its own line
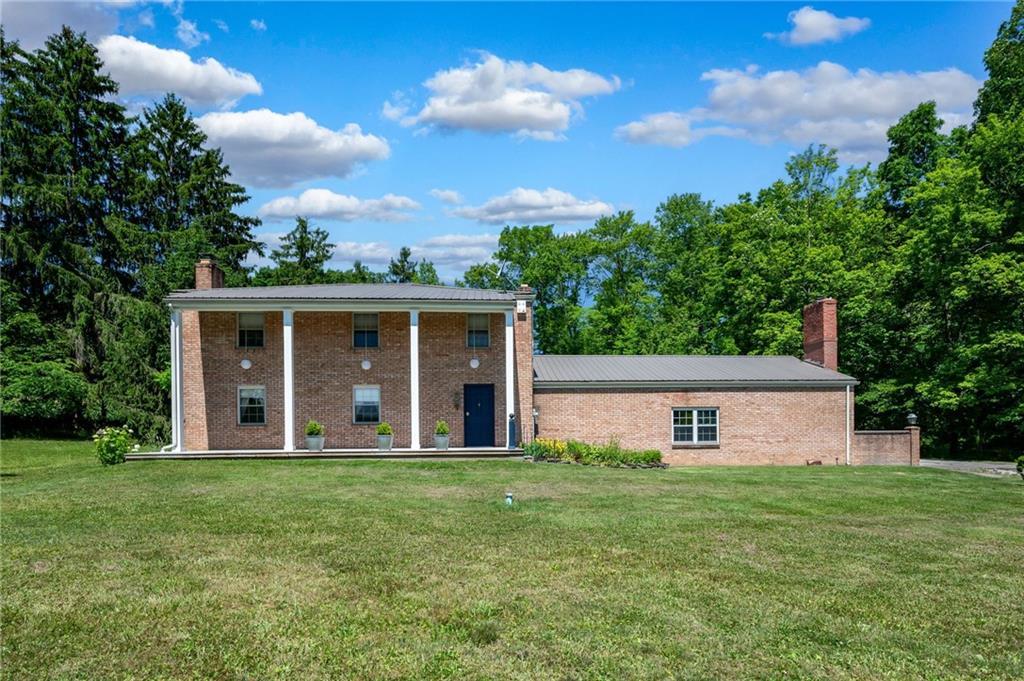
(251, 365)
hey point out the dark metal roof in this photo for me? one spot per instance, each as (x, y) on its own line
(554, 370)
(390, 292)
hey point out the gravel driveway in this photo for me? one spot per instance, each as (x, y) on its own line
(992, 469)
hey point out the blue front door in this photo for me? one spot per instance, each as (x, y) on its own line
(479, 423)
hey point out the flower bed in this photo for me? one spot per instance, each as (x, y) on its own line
(574, 451)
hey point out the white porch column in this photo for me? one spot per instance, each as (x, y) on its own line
(177, 385)
(289, 383)
(414, 375)
(510, 379)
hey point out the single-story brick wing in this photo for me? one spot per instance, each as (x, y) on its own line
(249, 367)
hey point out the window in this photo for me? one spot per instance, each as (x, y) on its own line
(252, 405)
(250, 329)
(365, 329)
(695, 426)
(366, 404)
(478, 330)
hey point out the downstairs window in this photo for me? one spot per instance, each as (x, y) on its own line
(695, 426)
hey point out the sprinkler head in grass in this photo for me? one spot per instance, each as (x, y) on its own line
(508, 498)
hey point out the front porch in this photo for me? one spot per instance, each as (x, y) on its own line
(453, 453)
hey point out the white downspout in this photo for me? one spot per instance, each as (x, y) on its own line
(848, 461)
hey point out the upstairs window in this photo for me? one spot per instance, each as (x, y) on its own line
(695, 426)
(252, 405)
(250, 329)
(365, 329)
(366, 404)
(478, 330)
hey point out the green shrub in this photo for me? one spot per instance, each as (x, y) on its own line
(113, 443)
(314, 429)
(1020, 466)
(384, 428)
(441, 428)
(610, 454)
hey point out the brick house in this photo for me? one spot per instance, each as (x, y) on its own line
(250, 366)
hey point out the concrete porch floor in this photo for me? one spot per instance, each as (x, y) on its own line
(423, 453)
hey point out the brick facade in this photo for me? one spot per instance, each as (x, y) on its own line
(821, 333)
(756, 426)
(523, 335)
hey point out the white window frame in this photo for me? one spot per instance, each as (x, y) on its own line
(695, 425)
(238, 330)
(487, 328)
(376, 315)
(365, 387)
(238, 404)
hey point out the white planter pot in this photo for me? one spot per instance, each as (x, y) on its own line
(315, 443)
(441, 443)
(384, 442)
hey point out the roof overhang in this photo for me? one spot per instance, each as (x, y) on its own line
(276, 304)
(672, 386)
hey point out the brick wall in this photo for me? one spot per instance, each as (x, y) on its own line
(887, 447)
(212, 373)
(523, 335)
(821, 333)
(781, 426)
(326, 368)
(444, 370)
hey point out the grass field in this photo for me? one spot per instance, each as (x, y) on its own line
(359, 569)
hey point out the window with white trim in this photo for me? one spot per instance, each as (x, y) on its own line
(366, 404)
(478, 330)
(250, 329)
(252, 405)
(365, 329)
(694, 426)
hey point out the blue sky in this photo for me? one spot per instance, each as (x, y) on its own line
(523, 113)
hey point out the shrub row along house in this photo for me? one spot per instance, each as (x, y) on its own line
(251, 365)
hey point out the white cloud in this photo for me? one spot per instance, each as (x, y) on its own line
(449, 196)
(222, 25)
(456, 250)
(258, 24)
(189, 34)
(31, 23)
(827, 103)
(141, 68)
(521, 206)
(495, 95)
(145, 18)
(323, 203)
(269, 149)
(372, 252)
(812, 26)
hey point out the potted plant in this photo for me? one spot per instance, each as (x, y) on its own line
(441, 431)
(385, 433)
(314, 436)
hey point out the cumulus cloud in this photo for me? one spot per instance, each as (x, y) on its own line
(372, 252)
(258, 24)
(499, 96)
(141, 68)
(323, 203)
(827, 103)
(189, 34)
(269, 149)
(811, 26)
(534, 206)
(456, 250)
(449, 196)
(31, 23)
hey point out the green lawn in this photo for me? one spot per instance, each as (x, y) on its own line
(327, 569)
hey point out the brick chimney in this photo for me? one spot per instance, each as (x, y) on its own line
(523, 332)
(821, 333)
(208, 274)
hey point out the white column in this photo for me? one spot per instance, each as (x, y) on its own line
(289, 384)
(510, 379)
(414, 375)
(177, 385)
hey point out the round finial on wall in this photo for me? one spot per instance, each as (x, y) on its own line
(365, 364)
(246, 364)
(474, 363)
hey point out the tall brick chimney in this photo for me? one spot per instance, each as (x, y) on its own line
(821, 333)
(523, 333)
(208, 274)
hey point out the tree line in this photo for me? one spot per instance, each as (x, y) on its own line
(104, 213)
